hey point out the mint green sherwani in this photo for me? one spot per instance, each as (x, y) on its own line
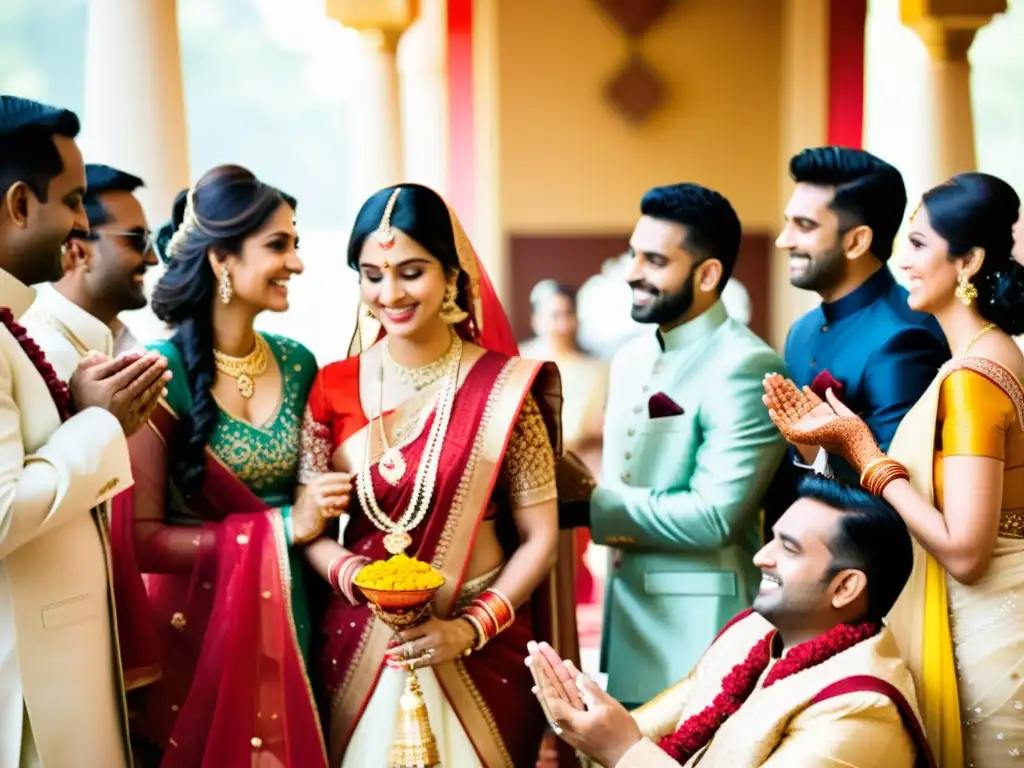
(681, 495)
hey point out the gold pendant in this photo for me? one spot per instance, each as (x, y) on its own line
(391, 466)
(246, 385)
(397, 542)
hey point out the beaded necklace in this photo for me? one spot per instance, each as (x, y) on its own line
(58, 389)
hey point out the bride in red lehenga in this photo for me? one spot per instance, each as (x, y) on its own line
(439, 441)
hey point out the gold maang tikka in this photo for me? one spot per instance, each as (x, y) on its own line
(385, 232)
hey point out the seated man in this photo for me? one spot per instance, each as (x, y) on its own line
(809, 677)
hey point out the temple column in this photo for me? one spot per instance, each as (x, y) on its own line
(376, 146)
(947, 28)
(805, 104)
(134, 104)
(423, 98)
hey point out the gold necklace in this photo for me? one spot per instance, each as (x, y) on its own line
(392, 464)
(397, 538)
(988, 327)
(424, 376)
(244, 370)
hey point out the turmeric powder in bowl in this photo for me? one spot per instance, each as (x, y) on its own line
(399, 573)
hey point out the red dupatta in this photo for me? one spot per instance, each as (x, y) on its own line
(234, 689)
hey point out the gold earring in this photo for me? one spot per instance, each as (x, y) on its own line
(224, 287)
(451, 312)
(965, 290)
(368, 312)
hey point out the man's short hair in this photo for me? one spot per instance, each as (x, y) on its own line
(713, 229)
(100, 179)
(869, 191)
(27, 151)
(870, 537)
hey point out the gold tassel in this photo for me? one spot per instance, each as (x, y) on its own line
(415, 746)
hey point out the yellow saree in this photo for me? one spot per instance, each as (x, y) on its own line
(938, 623)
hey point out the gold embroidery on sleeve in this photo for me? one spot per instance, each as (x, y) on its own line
(314, 448)
(529, 464)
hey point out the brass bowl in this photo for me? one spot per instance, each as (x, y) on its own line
(399, 600)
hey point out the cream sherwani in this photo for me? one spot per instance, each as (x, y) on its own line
(58, 649)
(67, 333)
(782, 726)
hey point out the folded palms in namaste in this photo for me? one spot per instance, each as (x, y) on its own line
(804, 418)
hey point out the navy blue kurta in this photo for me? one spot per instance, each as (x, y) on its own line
(883, 353)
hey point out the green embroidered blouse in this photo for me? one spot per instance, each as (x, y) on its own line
(266, 457)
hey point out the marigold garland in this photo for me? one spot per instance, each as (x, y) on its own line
(737, 686)
(58, 389)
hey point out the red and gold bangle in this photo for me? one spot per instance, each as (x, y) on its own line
(490, 614)
(880, 472)
(499, 606)
(342, 571)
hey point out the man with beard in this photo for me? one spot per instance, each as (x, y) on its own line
(863, 340)
(688, 449)
(63, 455)
(810, 677)
(103, 276)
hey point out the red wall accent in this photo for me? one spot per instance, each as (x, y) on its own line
(846, 30)
(461, 165)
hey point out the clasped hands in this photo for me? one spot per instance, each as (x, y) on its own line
(578, 710)
(805, 419)
(129, 387)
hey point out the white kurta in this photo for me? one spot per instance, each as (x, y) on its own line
(58, 651)
(66, 332)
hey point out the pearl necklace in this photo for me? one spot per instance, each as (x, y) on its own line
(392, 463)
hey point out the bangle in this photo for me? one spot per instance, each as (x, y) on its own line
(342, 572)
(478, 634)
(500, 606)
(870, 466)
(880, 472)
(490, 614)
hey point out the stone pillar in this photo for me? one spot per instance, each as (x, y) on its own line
(805, 52)
(487, 227)
(376, 146)
(947, 28)
(423, 96)
(134, 105)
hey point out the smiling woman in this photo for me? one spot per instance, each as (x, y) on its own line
(215, 475)
(448, 439)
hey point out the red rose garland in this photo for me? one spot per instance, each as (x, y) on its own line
(737, 686)
(58, 389)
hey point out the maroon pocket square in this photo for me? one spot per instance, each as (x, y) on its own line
(661, 405)
(825, 381)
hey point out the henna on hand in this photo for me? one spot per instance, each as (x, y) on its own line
(805, 419)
